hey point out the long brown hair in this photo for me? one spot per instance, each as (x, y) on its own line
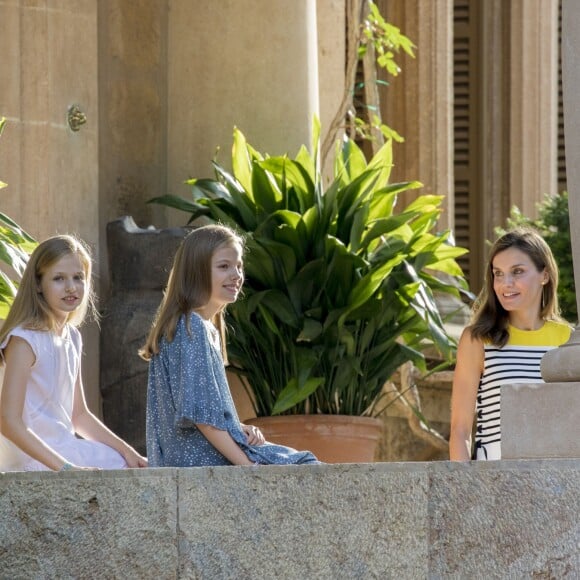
(490, 319)
(30, 308)
(189, 285)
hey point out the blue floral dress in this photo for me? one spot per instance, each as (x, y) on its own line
(187, 385)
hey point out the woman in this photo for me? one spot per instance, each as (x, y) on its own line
(515, 322)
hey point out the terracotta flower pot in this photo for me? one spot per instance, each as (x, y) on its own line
(332, 438)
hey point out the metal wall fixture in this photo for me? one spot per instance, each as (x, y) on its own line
(76, 118)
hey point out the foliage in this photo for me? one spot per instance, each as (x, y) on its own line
(339, 287)
(377, 44)
(384, 41)
(15, 247)
(553, 224)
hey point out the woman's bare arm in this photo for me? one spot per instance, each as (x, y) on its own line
(468, 370)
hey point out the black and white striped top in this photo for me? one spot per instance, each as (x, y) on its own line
(517, 362)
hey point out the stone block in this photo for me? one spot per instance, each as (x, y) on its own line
(326, 521)
(505, 519)
(540, 420)
(107, 524)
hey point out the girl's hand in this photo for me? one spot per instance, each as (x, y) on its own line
(134, 460)
(254, 435)
(71, 467)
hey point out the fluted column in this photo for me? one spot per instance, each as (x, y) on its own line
(533, 102)
(494, 124)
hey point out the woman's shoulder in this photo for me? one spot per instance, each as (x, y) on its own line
(468, 335)
(469, 343)
(559, 329)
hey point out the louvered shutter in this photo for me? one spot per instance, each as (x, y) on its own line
(465, 71)
(562, 184)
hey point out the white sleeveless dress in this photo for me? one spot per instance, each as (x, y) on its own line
(49, 402)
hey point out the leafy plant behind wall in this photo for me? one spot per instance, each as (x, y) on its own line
(339, 288)
(553, 223)
(15, 247)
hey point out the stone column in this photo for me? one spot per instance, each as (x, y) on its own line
(533, 102)
(252, 64)
(419, 102)
(563, 364)
(540, 420)
(331, 31)
(133, 105)
(494, 140)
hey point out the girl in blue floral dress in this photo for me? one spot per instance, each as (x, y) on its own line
(191, 417)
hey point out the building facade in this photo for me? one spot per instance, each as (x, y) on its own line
(110, 103)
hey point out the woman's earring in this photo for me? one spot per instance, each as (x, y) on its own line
(543, 295)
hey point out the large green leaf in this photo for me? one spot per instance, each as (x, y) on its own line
(177, 202)
(350, 162)
(311, 330)
(7, 289)
(280, 307)
(13, 256)
(370, 283)
(283, 259)
(293, 393)
(17, 234)
(293, 172)
(259, 268)
(383, 161)
(267, 195)
(242, 162)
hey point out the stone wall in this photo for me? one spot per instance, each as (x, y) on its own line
(509, 519)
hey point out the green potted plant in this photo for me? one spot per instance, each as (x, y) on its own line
(339, 288)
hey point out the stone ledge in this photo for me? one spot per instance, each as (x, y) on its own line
(404, 520)
(540, 420)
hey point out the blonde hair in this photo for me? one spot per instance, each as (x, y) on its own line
(30, 308)
(490, 320)
(190, 284)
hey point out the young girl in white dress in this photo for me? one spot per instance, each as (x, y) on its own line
(45, 423)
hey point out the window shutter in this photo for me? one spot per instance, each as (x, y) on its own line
(465, 64)
(562, 183)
